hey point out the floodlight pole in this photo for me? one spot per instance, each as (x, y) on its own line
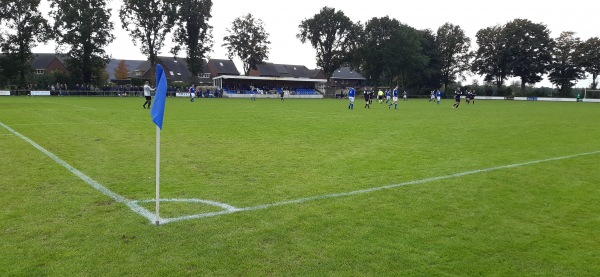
(157, 218)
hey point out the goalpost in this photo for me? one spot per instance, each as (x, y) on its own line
(591, 94)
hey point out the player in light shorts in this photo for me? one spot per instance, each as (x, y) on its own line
(192, 91)
(387, 96)
(351, 93)
(394, 99)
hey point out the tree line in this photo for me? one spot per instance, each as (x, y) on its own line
(384, 50)
(388, 52)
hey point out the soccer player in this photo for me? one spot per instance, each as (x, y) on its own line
(148, 94)
(253, 96)
(351, 93)
(456, 99)
(394, 99)
(404, 96)
(438, 95)
(432, 96)
(192, 91)
(282, 92)
(473, 97)
(367, 98)
(380, 96)
(468, 97)
(387, 95)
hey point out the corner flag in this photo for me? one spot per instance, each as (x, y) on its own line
(157, 111)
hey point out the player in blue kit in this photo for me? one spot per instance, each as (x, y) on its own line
(394, 99)
(438, 95)
(351, 93)
(192, 91)
(388, 95)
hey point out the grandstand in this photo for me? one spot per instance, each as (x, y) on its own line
(238, 86)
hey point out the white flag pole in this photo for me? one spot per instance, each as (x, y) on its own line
(157, 220)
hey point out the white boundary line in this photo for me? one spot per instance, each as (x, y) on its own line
(228, 209)
(132, 205)
(363, 191)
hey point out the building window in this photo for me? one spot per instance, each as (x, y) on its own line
(221, 63)
(178, 73)
(171, 73)
(205, 75)
(138, 73)
(40, 71)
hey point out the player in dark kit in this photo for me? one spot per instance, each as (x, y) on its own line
(367, 98)
(456, 100)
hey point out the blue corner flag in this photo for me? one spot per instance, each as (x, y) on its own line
(157, 111)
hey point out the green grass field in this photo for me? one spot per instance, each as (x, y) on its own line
(498, 188)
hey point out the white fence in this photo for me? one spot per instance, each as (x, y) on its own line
(548, 99)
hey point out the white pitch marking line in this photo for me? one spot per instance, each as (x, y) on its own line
(131, 204)
(192, 200)
(228, 209)
(363, 191)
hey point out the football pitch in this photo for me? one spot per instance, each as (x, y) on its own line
(299, 188)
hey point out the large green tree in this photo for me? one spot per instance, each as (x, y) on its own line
(149, 22)
(408, 59)
(25, 27)
(564, 69)
(372, 52)
(454, 47)
(390, 51)
(193, 34)
(491, 58)
(84, 27)
(333, 35)
(589, 58)
(528, 47)
(248, 40)
(431, 75)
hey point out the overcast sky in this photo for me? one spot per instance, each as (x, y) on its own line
(281, 19)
